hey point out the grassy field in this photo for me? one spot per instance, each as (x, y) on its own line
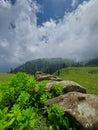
(5, 76)
(86, 76)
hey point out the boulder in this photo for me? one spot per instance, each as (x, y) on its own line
(82, 109)
(68, 86)
(39, 76)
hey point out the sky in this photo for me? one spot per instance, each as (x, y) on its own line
(31, 29)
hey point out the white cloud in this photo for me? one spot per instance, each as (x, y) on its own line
(74, 36)
(5, 4)
(74, 3)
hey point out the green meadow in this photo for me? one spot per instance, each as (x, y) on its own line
(86, 76)
(23, 99)
(5, 76)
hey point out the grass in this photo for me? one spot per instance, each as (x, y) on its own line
(86, 76)
(5, 76)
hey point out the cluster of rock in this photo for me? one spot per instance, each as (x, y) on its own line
(81, 108)
(39, 76)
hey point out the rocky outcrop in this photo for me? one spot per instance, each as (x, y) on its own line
(39, 76)
(68, 86)
(81, 108)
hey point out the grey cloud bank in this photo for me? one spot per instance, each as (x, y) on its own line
(75, 36)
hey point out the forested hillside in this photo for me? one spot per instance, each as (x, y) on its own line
(51, 65)
(92, 62)
(44, 65)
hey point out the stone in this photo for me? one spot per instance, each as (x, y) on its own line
(68, 86)
(82, 109)
(39, 76)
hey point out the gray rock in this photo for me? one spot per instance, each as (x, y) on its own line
(39, 76)
(81, 108)
(68, 86)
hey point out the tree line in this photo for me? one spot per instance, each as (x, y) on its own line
(51, 65)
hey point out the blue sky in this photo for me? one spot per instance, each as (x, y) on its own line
(55, 9)
(31, 29)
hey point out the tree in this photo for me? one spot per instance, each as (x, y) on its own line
(58, 72)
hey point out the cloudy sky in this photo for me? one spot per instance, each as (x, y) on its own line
(31, 29)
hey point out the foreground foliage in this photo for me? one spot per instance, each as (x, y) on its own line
(22, 106)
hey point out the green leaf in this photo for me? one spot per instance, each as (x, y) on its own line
(10, 122)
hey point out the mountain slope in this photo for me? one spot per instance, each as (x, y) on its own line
(44, 65)
(92, 62)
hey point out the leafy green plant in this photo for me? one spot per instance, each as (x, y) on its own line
(18, 119)
(42, 87)
(44, 97)
(8, 96)
(22, 105)
(23, 99)
(56, 89)
(22, 82)
(57, 119)
(39, 90)
(3, 121)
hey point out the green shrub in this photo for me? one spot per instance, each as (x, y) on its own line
(16, 118)
(22, 105)
(56, 89)
(57, 119)
(23, 99)
(22, 82)
(3, 122)
(8, 96)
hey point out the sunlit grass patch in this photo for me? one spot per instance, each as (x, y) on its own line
(86, 76)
